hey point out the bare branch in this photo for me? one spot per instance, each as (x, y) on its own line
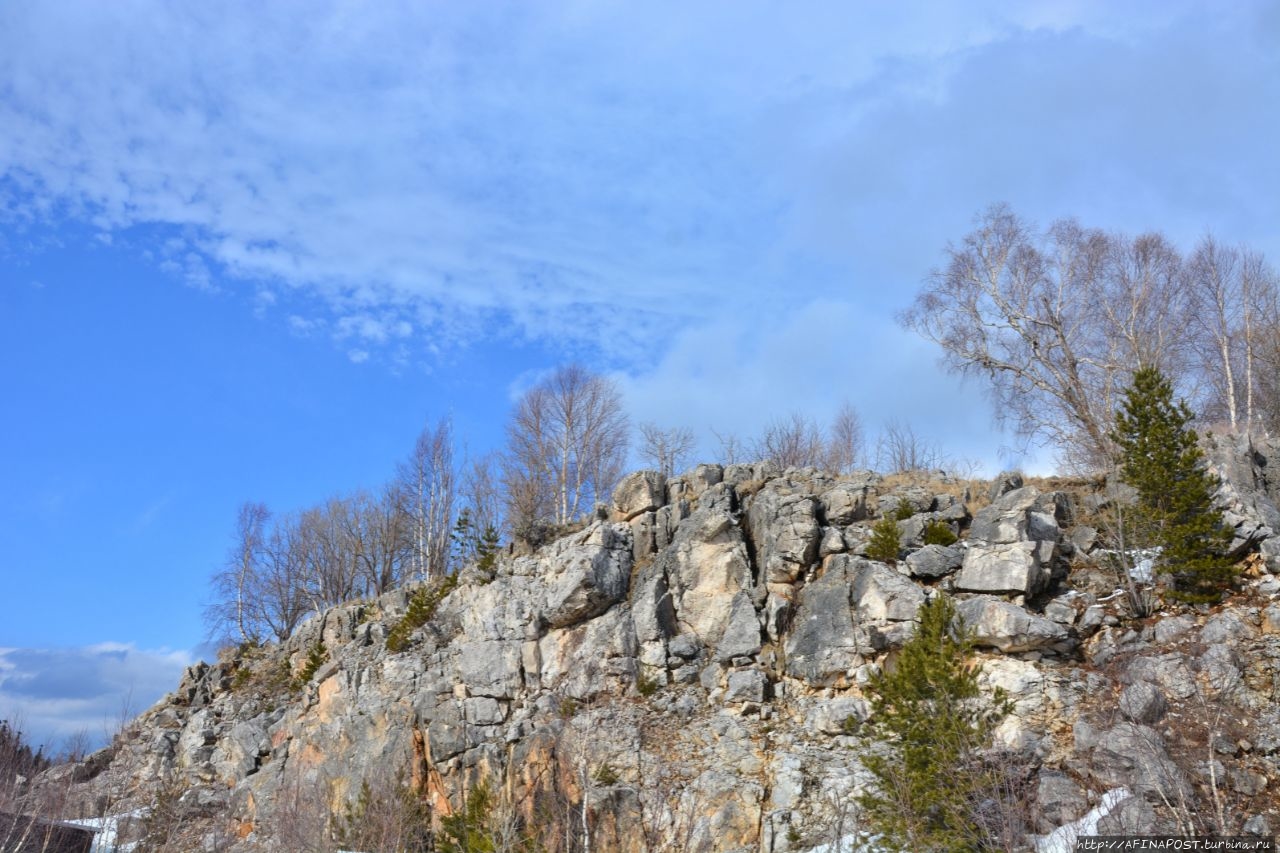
(665, 449)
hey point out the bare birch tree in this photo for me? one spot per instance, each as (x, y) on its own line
(332, 565)
(1143, 310)
(792, 442)
(427, 484)
(900, 448)
(377, 532)
(237, 585)
(282, 600)
(566, 445)
(1213, 279)
(846, 445)
(1007, 307)
(731, 447)
(665, 449)
(1056, 322)
(481, 491)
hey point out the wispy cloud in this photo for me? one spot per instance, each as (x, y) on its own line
(598, 174)
(148, 515)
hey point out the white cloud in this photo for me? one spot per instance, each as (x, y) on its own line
(738, 376)
(677, 193)
(598, 174)
(57, 693)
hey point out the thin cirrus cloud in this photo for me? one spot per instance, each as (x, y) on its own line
(600, 173)
(613, 179)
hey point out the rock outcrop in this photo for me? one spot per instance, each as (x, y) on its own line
(692, 669)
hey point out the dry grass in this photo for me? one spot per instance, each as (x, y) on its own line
(973, 492)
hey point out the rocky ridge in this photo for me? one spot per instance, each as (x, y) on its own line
(688, 672)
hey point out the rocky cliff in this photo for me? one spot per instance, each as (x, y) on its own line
(689, 672)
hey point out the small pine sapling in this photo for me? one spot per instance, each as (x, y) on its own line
(928, 710)
(904, 510)
(886, 541)
(939, 533)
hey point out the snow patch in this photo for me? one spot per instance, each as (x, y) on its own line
(108, 829)
(1063, 839)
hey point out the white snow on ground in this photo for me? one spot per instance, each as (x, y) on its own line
(1063, 839)
(1142, 562)
(853, 843)
(105, 840)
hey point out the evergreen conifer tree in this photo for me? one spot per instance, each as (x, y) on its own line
(1159, 457)
(928, 710)
(886, 541)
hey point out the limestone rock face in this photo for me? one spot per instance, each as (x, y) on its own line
(700, 669)
(826, 644)
(588, 576)
(880, 594)
(1249, 485)
(1010, 628)
(1012, 567)
(846, 502)
(1013, 544)
(706, 567)
(641, 492)
(785, 530)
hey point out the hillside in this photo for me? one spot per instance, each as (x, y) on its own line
(691, 671)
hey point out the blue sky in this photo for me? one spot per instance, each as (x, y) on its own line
(246, 252)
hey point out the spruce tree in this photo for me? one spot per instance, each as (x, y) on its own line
(1159, 457)
(928, 710)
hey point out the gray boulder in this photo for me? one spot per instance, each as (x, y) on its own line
(839, 715)
(1143, 703)
(1135, 756)
(1012, 568)
(1061, 800)
(640, 492)
(746, 685)
(1007, 627)
(702, 478)
(1005, 482)
(706, 567)
(845, 503)
(742, 633)
(879, 593)
(1005, 519)
(1227, 627)
(825, 645)
(935, 561)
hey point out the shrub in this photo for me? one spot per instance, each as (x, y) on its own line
(466, 830)
(904, 510)
(939, 533)
(316, 656)
(422, 607)
(264, 676)
(387, 815)
(886, 541)
(646, 686)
